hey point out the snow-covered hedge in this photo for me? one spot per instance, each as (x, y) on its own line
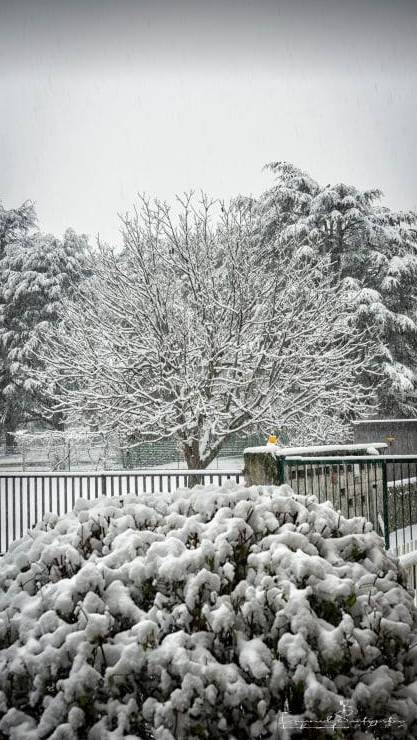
(204, 613)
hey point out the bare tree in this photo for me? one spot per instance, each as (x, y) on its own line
(186, 335)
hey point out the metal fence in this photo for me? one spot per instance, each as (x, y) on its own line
(26, 497)
(381, 488)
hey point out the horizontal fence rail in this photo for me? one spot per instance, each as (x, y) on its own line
(26, 497)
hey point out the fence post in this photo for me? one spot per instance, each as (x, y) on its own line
(385, 511)
(281, 469)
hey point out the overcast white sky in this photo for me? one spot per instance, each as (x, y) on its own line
(100, 100)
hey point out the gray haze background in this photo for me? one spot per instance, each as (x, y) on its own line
(100, 100)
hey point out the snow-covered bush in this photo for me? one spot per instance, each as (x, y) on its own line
(212, 612)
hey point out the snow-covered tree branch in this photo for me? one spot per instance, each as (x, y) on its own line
(186, 335)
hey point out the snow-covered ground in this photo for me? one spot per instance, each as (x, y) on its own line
(218, 464)
(14, 463)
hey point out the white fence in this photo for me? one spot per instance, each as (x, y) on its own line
(26, 497)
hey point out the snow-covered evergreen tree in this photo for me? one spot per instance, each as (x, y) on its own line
(187, 336)
(36, 272)
(16, 225)
(372, 249)
(233, 612)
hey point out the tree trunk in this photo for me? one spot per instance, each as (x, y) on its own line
(10, 426)
(57, 422)
(195, 462)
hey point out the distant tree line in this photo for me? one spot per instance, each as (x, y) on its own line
(293, 310)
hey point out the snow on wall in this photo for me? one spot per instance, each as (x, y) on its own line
(313, 450)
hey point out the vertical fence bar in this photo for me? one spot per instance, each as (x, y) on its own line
(402, 503)
(58, 496)
(368, 490)
(339, 469)
(354, 490)
(333, 478)
(35, 495)
(20, 505)
(43, 496)
(6, 506)
(323, 484)
(28, 517)
(347, 489)
(394, 497)
(385, 508)
(13, 508)
(410, 513)
(375, 504)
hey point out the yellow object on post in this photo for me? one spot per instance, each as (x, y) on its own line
(272, 439)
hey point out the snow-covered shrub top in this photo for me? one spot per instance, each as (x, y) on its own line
(203, 613)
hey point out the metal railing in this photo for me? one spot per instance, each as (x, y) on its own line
(26, 497)
(382, 488)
